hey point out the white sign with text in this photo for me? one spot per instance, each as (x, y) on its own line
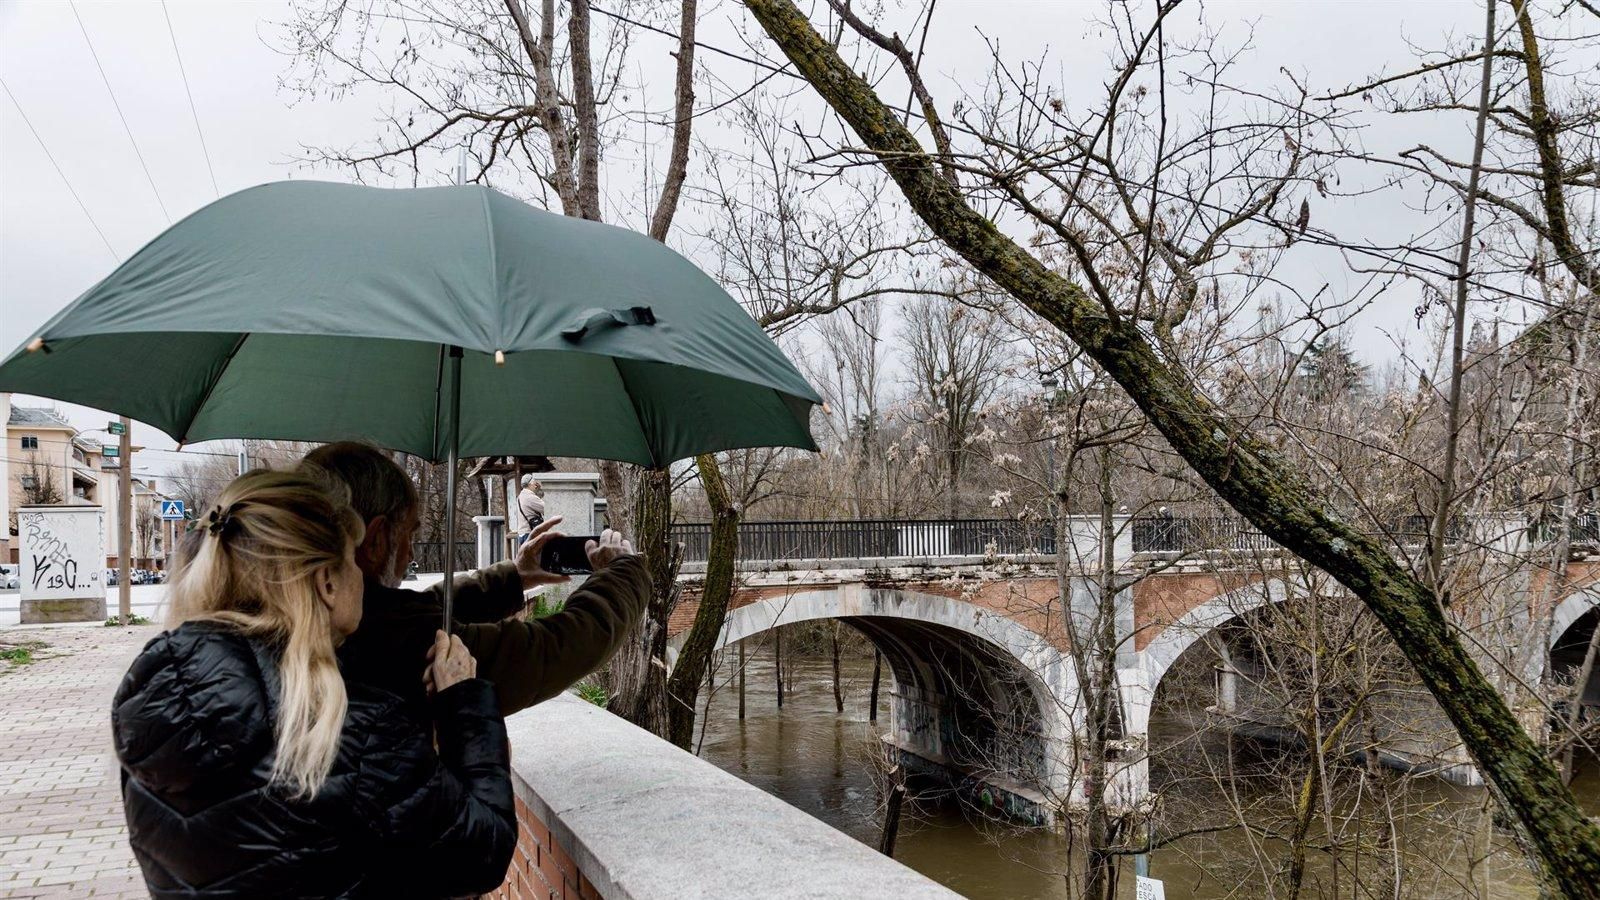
(1149, 888)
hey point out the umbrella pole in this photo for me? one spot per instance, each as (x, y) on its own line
(451, 455)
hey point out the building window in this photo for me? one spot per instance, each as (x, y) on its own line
(30, 442)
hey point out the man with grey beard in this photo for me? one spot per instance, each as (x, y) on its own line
(528, 661)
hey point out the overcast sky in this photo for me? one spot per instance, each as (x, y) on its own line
(50, 251)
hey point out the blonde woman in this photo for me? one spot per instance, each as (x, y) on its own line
(251, 769)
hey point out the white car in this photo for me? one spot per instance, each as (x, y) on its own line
(10, 576)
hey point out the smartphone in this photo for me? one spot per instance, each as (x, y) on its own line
(566, 556)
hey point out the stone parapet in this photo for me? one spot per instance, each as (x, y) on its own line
(607, 810)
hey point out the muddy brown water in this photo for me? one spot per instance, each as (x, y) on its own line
(824, 763)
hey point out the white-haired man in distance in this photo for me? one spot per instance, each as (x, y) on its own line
(531, 504)
(528, 661)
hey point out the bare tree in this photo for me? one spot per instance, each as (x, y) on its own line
(953, 352)
(1130, 343)
(40, 486)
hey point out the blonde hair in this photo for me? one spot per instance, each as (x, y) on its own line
(252, 565)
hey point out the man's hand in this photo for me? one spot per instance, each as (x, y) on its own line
(449, 663)
(528, 566)
(610, 548)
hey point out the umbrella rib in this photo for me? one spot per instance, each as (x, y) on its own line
(494, 267)
(210, 388)
(627, 391)
(438, 406)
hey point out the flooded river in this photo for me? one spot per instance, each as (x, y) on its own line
(826, 763)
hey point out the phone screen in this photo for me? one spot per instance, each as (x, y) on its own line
(566, 556)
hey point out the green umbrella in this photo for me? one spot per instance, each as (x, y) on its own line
(437, 321)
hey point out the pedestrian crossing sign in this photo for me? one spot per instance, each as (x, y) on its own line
(172, 510)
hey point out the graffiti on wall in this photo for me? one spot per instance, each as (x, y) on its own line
(62, 553)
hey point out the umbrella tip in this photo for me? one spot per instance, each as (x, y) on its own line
(36, 345)
(499, 357)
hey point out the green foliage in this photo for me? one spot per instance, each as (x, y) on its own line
(1331, 370)
(543, 606)
(133, 619)
(592, 692)
(20, 654)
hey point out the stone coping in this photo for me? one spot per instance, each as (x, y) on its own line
(644, 820)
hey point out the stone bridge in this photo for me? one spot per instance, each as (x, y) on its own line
(971, 624)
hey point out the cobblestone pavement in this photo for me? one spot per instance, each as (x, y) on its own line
(61, 826)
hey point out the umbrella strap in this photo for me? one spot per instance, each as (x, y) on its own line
(593, 320)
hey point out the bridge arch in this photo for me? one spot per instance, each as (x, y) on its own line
(1569, 611)
(1162, 653)
(920, 635)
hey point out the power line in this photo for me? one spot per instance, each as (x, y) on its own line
(190, 94)
(761, 64)
(64, 180)
(125, 127)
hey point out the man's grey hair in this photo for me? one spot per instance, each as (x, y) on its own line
(528, 481)
(378, 486)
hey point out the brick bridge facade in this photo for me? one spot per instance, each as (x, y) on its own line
(983, 687)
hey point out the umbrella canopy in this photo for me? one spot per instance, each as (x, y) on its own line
(317, 311)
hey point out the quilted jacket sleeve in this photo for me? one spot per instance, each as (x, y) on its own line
(453, 830)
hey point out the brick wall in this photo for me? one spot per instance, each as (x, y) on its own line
(541, 869)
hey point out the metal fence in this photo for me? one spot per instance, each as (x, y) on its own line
(1191, 534)
(933, 538)
(871, 538)
(1584, 529)
(429, 556)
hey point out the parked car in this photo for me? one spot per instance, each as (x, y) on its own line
(111, 577)
(10, 576)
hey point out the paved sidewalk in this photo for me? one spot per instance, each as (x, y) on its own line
(61, 827)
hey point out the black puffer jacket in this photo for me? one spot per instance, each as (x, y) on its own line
(193, 726)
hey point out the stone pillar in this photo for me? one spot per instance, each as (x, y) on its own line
(1227, 679)
(491, 539)
(571, 495)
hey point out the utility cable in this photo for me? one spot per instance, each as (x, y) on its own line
(190, 94)
(125, 127)
(64, 180)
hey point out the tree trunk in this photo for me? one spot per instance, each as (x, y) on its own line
(1458, 327)
(741, 681)
(777, 661)
(587, 116)
(639, 681)
(1244, 472)
(715, 595)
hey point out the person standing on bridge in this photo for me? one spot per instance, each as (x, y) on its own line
(531, 504)
(527, 661)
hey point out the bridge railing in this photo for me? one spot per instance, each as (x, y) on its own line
(1194, 534)
(429, 556)
(874, 538)
(934, 538)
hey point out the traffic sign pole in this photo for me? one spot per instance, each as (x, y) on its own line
(124, 523)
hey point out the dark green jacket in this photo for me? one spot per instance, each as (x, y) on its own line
(528, 662)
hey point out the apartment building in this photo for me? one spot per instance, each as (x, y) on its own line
(45, 460)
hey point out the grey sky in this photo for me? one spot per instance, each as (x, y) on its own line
(49, 252)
